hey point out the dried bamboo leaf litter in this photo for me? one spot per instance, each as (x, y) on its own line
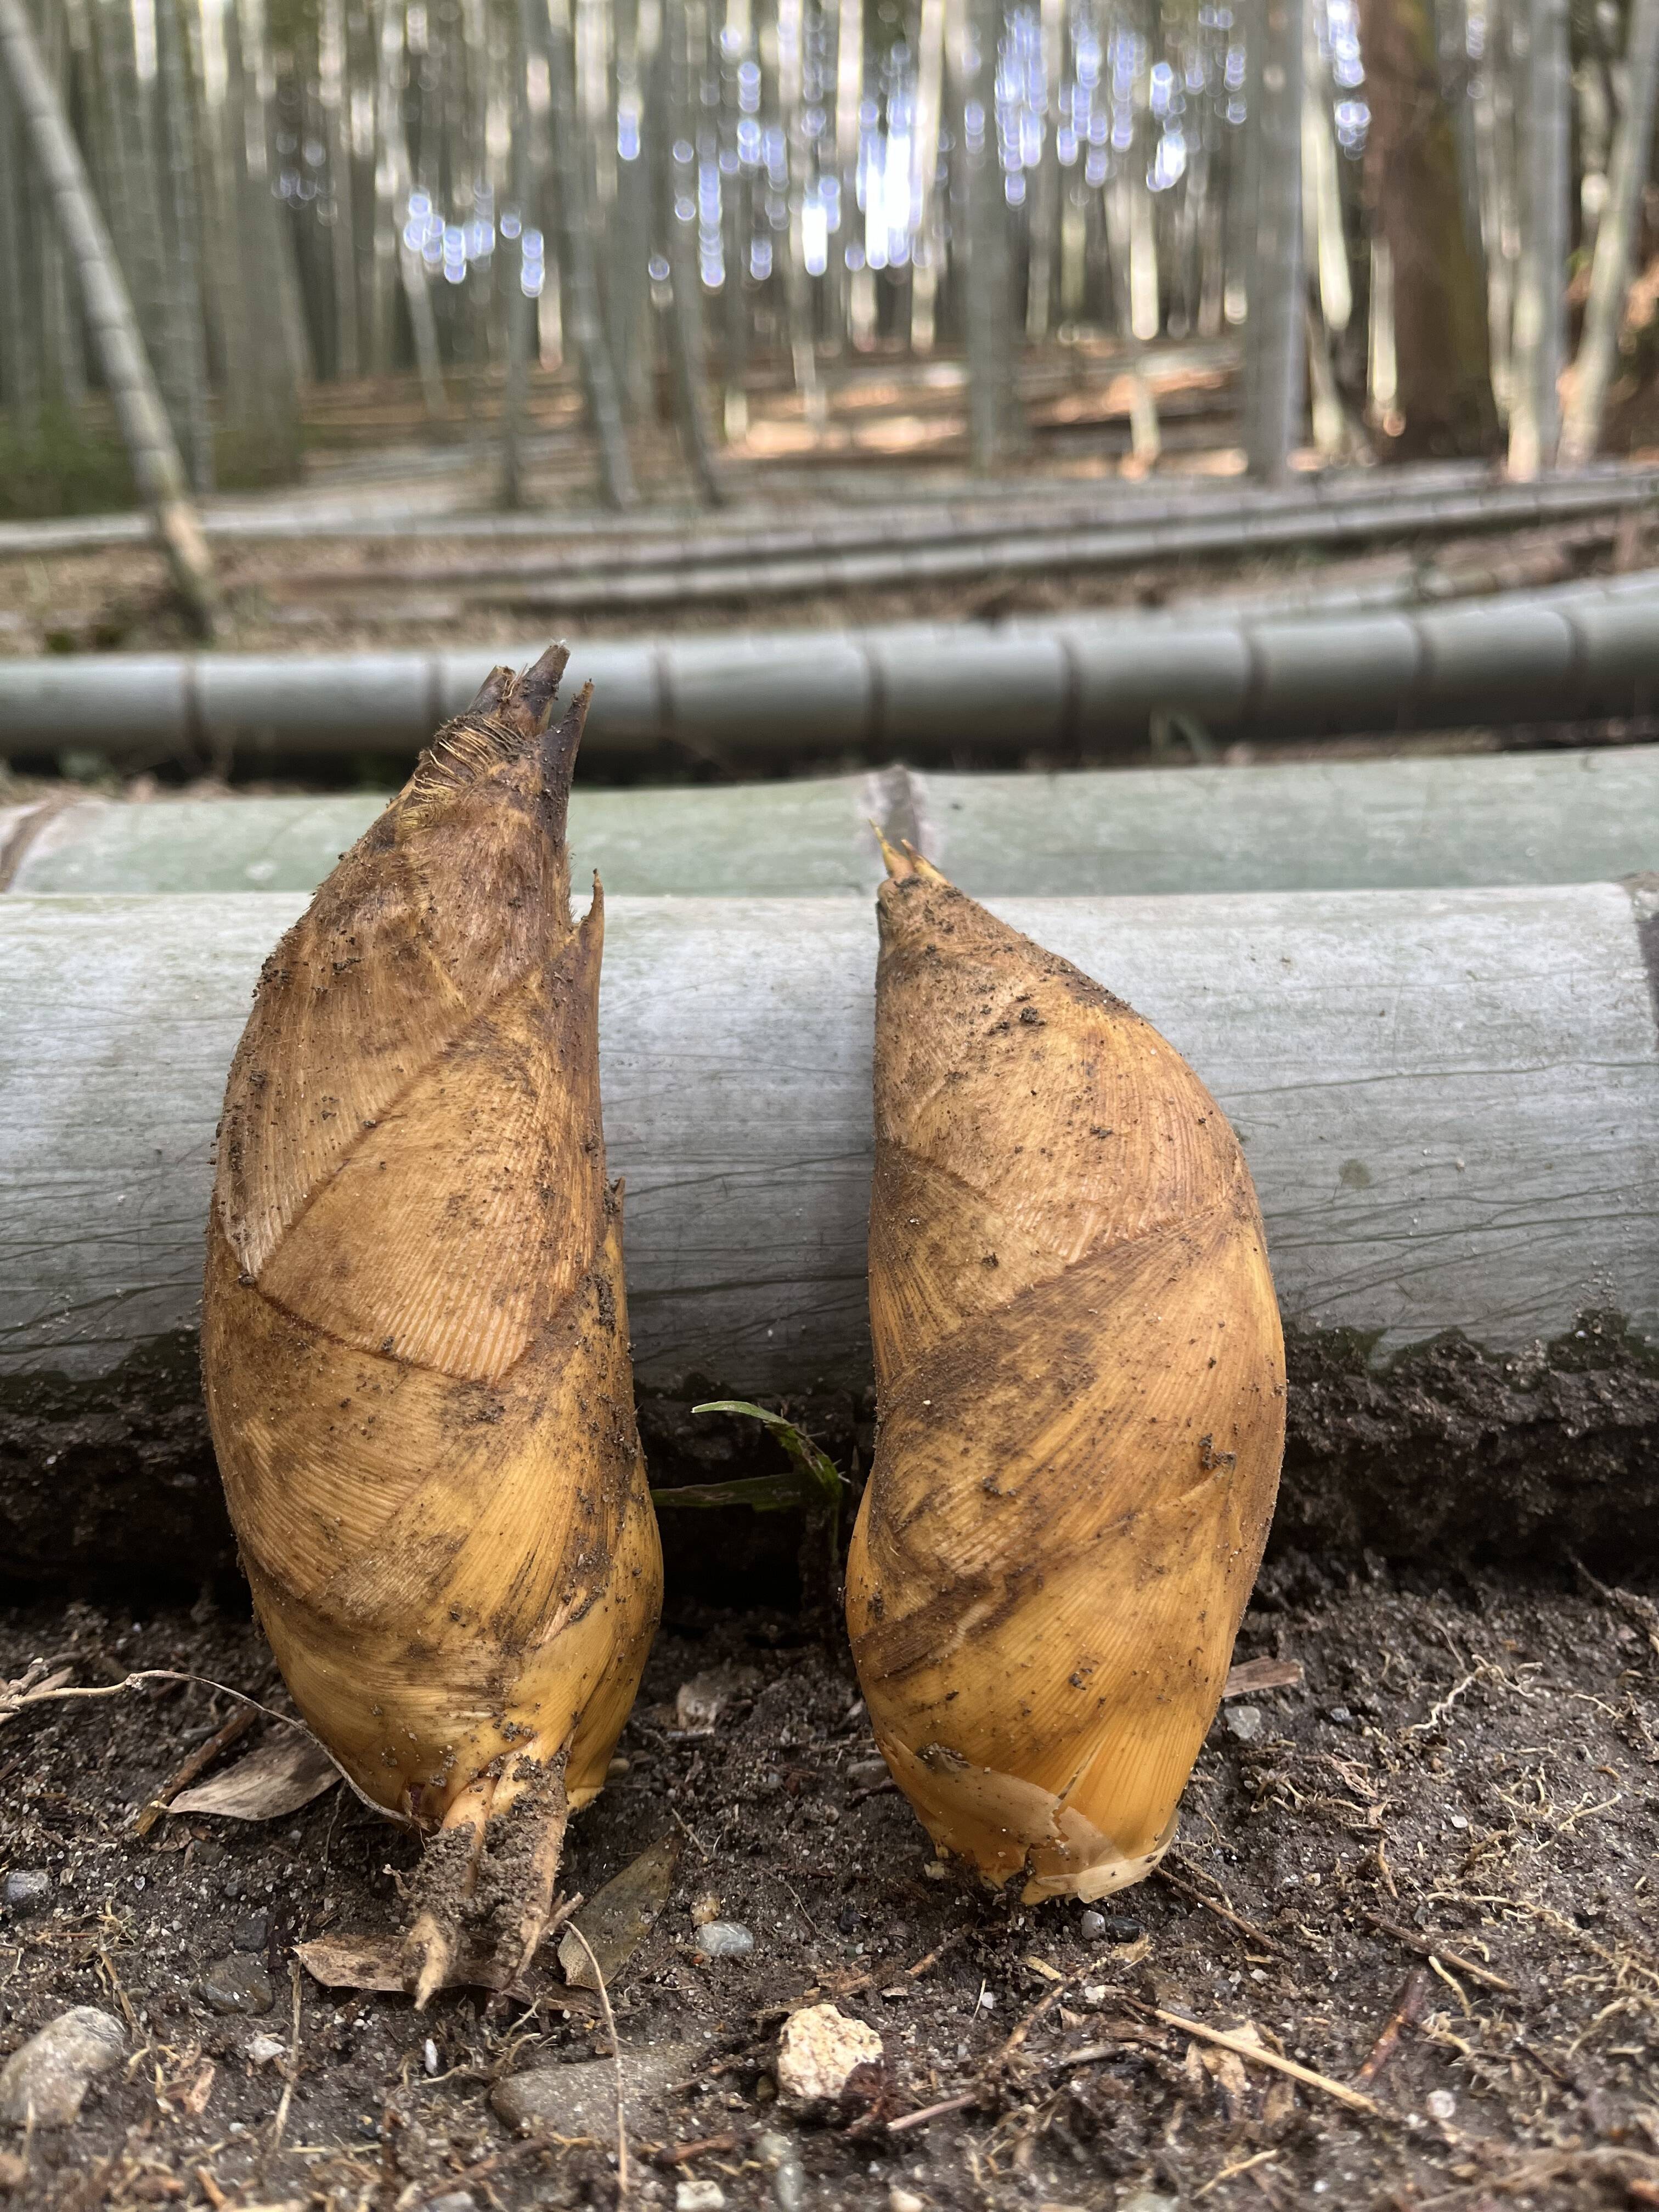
(1081, 1386)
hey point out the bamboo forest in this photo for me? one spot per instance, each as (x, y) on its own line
(1394, 230)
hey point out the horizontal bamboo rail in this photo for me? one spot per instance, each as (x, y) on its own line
(1463, 820)
(1172, 515)
(784, 563)
(1450, 1101)
(776, 697)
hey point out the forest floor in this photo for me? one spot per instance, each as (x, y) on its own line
(1423, 1877)
(426, 591)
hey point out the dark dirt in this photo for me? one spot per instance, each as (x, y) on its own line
(1471, 1761)
(1447, 1452)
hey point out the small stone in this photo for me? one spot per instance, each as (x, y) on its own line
(1092, 1927)
(265, 2050)
(818, 2050)
(252, 1934)
(1340, 1716)
(236, 1984)
(699, 1703)
(1243, 1722)
(453, 2200)
(905, 2200)
(778, 2154)
(725, 1938)
(580, 2099)
(1148, 2200)
(699, 2196)
(1441, 2105)
(14, 2173)
(26, 1890)
(47, 2080)
(936, 1870)
(867, 1774)
(1122, 1928)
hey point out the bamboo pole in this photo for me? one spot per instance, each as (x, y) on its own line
(175, 103)
(783, 563)
(1418, 1172)
(156, 464)
(548, 23)
(992, 691)
(1275, 340)
(520, 306)
(1336, 506)
(1539, 347)
(1459, 821)
(1616, 239)
(687, 364)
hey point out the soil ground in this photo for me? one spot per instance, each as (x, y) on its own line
(339, 594)
(1467, 1771)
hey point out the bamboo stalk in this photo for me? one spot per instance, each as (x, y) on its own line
(687, 365)
(1417, 1174)
(1578, 652)
(156, 464)
(1276, 345)
(1458, 821)
(548, 23)
(778, 567)
(1540, 297)
(1616, 239)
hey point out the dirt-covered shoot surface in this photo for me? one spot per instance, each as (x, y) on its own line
(1452, 1819)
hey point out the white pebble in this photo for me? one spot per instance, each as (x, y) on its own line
(1441, 2103)
(43, 2084)
(725, 1938)
(699, 2196)
(429, 2056)
(818, 2050)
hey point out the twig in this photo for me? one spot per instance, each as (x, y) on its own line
(616, 2048)
(1408, 2011)
(14, 1702)
(1232, 2172)
(1256, 2054)
(1221, 1911)
(199, 1761)
(935, 2111)
(1427, 1948)
(911, 1974)
(682, 2154)
(286, 2098)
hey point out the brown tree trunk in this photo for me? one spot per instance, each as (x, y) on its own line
(1444, 400)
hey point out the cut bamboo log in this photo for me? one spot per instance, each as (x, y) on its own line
(1449, 1101)
(1341, 504)
(779, 566)
(1581, 651)
(156, 465)
(1464, 821)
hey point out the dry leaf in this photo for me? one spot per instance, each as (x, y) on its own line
(619, 1919)
(278, 1777)
(375, 1962)
(1253, 1675)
